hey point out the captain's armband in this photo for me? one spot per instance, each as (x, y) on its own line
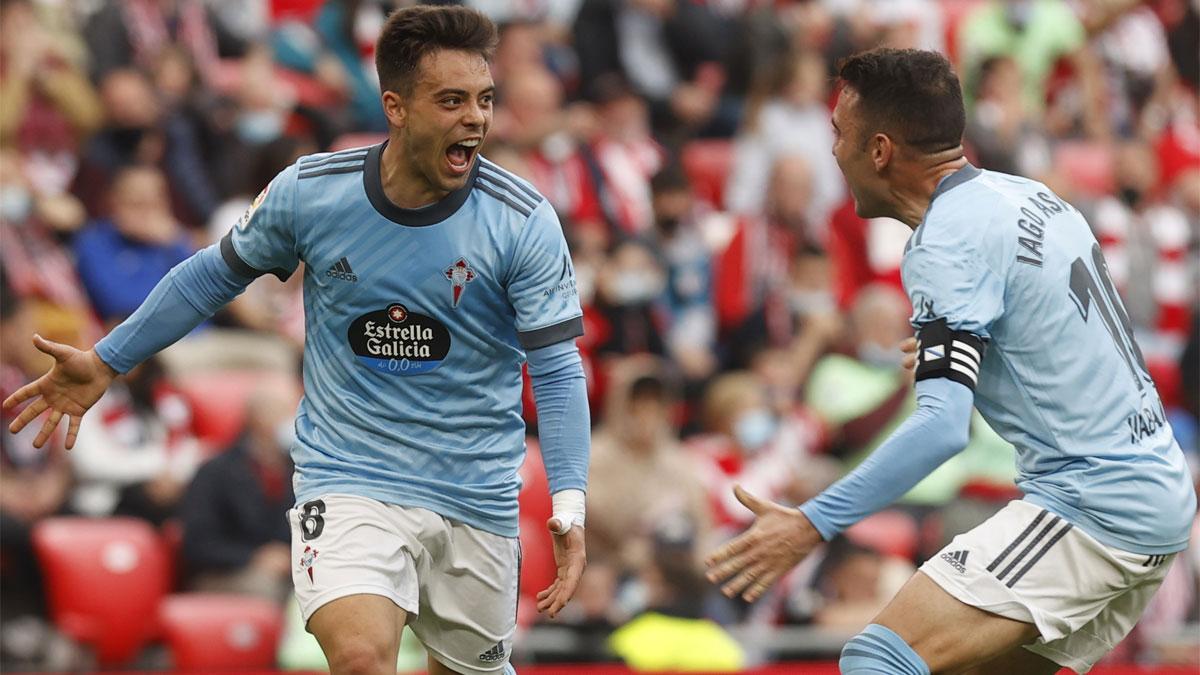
(948, 353)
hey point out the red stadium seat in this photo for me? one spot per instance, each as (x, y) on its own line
(215, 631)
(534, 498)
(538, 569)
(707, 164)
(104, 580)
(218, 402)
(889, 532)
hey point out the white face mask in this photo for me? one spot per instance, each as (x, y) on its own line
(15, 204)
(754, 429)
(635, 288)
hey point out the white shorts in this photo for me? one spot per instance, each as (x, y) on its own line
(1027, 564)
(458, 584)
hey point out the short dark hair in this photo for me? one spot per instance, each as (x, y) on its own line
(413, 32)
(911, 93)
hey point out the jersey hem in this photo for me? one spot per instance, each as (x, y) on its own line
(1089, 527)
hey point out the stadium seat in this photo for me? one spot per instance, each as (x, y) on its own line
(534, 498)
(216, 631)
(889, 532)
(707, 164)
(104, 581)
(218, 402)
(538, 569)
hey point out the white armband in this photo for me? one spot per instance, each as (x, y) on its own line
(568, 507)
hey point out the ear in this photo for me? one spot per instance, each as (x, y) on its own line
(394, 109)
(881, 151)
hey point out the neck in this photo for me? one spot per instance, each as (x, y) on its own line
(912, 200)
(403, 183)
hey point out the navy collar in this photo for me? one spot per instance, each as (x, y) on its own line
(953, 180)
(420, 217)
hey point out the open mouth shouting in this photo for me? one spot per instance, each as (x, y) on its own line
(460, 154)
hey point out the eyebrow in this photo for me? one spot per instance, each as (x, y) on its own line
(462, 92)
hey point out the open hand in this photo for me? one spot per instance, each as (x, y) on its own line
(571, 558)
(779, 539)
(73, 385)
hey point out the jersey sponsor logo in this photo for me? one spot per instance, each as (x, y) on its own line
(459, 275)
(957, 560)
(493, 655)
(341, 270)
(398, 341)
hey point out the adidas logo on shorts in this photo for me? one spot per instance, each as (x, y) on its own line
(957, 560)
(493, 655)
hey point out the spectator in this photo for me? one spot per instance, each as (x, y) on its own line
(748, 444)
(140, 130)
(122, 258)
(137, 454)
(134, 33)
(671, 634)
(1000, 129)
(48, 108)
(788, 117)
(638, 471)
(235, 533)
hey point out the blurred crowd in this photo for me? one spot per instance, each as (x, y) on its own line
(742, 323)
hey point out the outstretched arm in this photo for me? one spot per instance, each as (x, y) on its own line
(190, 293)
(781, 537)
(564, 428)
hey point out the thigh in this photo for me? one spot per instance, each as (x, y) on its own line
(1017, 660)
(359, 633)
(468, 604)
(949, 635)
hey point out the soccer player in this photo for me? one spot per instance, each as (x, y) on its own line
(1015, 314)
(430, 275)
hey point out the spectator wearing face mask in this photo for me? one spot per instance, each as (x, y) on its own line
(629, 287)
(750, 444)
(235, 527)
(863, 395)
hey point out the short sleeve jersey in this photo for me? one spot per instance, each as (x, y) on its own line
(1015, 272)
(417, 322)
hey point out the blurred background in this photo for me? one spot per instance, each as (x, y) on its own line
(742, 323)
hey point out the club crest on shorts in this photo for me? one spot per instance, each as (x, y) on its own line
(459, 274)
(307, 560)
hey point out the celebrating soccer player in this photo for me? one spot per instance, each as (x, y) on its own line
(1015, 314)
(430, 275)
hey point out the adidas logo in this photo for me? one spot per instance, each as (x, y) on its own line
(493, 655)
(957, 560)
(341, 270)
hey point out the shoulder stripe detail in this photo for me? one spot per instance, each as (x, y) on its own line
(356, 168)
(505, 187)
(519, 207)
(347, 155)
(497, 170)
(544, 337)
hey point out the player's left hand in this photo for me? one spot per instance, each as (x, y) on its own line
(571, 558)
(779, 539)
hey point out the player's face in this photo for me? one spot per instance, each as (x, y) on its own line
(446, 118)
(853, 155)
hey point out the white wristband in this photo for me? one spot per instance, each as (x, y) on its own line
(568, 507)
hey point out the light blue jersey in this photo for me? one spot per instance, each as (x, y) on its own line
(417, 326)
(1061, 377)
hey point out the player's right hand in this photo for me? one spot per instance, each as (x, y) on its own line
(73, 385)
(909, 347)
